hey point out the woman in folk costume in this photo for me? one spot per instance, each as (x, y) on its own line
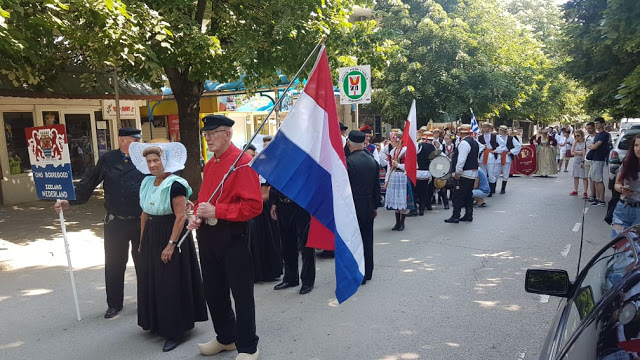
(170, 293)
(546, 153)
(398, 196)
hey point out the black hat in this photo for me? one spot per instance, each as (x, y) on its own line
(127, 131)
(214, 121)
(342, 127)
(356, 136)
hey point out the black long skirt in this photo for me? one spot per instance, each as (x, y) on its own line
(170, 296)
(264, 237)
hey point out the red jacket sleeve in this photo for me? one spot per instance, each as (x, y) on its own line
(241, 198)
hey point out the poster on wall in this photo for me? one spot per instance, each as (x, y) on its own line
(50, 162)
(174, 128)
(103, 145)
(227, 103)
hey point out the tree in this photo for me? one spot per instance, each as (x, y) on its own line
(602, 42)
(187, 41)
(456, 55)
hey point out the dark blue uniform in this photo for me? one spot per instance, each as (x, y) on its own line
(121, 182)
(364, 177)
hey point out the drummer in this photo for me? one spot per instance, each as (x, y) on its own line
(441, 168)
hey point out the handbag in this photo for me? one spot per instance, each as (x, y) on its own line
(568, 154)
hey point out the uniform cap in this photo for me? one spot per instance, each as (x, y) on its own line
(356, 136)
(127, 131)
(214, 121)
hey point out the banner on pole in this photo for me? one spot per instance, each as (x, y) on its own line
(526, 161)
(50, 162)
(355, 85)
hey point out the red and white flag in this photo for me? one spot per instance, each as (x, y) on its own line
(409, 140)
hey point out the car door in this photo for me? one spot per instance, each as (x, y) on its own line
(593, 288)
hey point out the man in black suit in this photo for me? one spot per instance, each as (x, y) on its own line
(364, 177)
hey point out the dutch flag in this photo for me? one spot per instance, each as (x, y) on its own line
(306, 162)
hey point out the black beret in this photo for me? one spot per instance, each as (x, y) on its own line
(213, 121)
(127, 131)
(356, 136)
(342, 127)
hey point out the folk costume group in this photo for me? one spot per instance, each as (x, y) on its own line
(245, 233)
(250, 231)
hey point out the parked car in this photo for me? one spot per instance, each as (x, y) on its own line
(617, 154)
(599, 314)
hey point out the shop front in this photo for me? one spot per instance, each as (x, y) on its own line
(90, 133)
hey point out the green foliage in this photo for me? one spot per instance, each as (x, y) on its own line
(603, 42)
(40, 38)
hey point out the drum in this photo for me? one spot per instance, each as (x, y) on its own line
(440, 167)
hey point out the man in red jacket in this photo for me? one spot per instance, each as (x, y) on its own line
(225, 257)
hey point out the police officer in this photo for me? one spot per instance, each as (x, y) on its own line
(364, 177)
(121, 182)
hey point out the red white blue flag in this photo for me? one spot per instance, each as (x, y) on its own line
(305, 161)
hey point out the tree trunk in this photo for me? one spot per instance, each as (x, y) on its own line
(187, 95)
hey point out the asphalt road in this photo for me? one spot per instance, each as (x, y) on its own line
(439, 291)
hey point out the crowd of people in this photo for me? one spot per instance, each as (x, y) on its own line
(250, 231)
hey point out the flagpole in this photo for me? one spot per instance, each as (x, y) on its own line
(232, 168)
(66, 247)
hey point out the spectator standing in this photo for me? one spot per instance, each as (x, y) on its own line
(578, 151)
(599, 151)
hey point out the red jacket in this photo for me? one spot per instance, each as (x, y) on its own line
(240, 198)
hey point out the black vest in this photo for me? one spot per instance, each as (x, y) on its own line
(423, 155)
(472, 158)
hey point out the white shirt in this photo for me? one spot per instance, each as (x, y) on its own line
(463, 151)
(589, 142)
(502, 146)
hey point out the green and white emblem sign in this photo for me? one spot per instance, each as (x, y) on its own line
(355, 85)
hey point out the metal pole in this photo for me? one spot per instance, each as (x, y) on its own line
(66, 248)
(232, 168)
(116, 92)
(357, 117)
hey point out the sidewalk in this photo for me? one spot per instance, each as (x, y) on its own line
(30, 235)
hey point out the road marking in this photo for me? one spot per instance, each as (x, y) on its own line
(522, 354)
(544, 298)
(565, 252)
(586, 210)
(576, 227)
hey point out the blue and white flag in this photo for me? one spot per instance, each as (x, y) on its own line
(474, 123)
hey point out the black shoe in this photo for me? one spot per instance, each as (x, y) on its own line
(170, 344)
(111, 312)
(364, 281)
(412, 214)
(429, 208)
(327, 254)
(284, 285)
(466, 218)
(446, 206)
(305, 289)
(504, 187)
(401, 226)
(490, 194)
(452, 220)
(421, 213)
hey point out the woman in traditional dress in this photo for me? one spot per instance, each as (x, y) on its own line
(578, 150)
(546, 153)
(398, 196)
(170, 294)
(264, 236)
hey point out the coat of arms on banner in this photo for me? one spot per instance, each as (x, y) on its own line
(50, 162)
(48, 146)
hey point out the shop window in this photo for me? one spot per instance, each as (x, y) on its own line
(14, 125)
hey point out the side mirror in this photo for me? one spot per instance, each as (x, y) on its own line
(548, 282)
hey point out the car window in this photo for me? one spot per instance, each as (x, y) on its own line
(625, 141)
(602, 275)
